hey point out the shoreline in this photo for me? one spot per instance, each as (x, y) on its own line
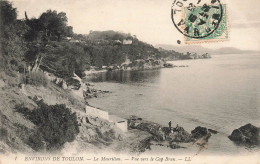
(212, 140)
(146, 66)
(225, 146)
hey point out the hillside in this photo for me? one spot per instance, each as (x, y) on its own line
(20, 134)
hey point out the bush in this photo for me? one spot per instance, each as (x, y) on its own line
(80, 73)
(73, 82)
(10, 80)
(36, 141)
(3, 134)
(36, 78)
(56, 124)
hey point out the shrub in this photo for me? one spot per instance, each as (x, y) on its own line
(10, 81)
(36, 78)
(36, 141)
(3, 134)
(73, 82)
(56, 124)
(80, 73)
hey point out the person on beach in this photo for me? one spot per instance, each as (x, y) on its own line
(170, 125)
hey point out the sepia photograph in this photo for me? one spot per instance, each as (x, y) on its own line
(129, 81)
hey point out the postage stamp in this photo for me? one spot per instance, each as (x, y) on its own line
(200, 20)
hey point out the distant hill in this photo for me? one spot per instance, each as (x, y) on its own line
(200, 49)
(232, 50)
(184, 49)
(108, 35)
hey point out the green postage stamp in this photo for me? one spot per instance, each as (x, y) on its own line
(201, 21)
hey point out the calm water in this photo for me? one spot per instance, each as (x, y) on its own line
(222, 93)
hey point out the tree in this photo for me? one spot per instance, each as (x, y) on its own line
(11, 37)
(50, 26)
(35, 32)
(8, 13)
(34, 56)
(97, 54)
(55, 25)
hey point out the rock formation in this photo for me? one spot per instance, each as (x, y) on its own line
(199, 132)
(170, 137)
(247, 135)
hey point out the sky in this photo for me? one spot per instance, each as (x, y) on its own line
(149, 20)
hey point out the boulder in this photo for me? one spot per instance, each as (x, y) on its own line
(64, 85)
(58, 80)
(73, 83)
(178, 134)
(175, 146)
(141, 145)
(199, 132)
(168, 65)
(212, 131)
(247, 135)
(88, 85)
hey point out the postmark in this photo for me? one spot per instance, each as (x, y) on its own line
(200, 20)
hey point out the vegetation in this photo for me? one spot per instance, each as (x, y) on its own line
(48, 43)
(3, 134)
(11, 43)
(108, 35)
(35, 78)
(73, 82)
(56, 124)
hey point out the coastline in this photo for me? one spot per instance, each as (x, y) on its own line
(145, 138)
(137, 141)
(144, 65)
(214, 137)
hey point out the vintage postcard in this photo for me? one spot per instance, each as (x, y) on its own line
(129, 81)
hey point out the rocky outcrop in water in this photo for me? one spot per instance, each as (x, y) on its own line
(199, 132)
(247, 135)
(170, 137)
(152, 128)
(91, 92)
(168, 65)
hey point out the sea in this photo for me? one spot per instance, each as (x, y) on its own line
(221, 93)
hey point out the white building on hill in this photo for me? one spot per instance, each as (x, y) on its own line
(127, 41)
(120, 123)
